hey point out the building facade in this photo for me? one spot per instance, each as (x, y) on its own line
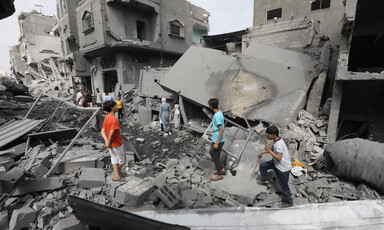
(119, 38)
(329, 13)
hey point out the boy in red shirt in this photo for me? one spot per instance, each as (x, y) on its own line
(112, 137)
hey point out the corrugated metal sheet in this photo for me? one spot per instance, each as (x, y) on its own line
(15, 129)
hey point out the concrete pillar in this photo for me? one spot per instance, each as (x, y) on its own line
(335, 111)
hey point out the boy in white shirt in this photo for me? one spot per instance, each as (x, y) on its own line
(281, 164)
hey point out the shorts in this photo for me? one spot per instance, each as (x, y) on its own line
(117, 155)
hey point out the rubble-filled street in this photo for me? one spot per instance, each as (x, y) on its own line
(97, 62)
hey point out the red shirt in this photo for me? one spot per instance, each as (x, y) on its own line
(110, 123)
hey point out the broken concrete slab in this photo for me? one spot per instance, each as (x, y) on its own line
(16, 129)
(148, 84)
(39, 185)
(69, 223)
(234, 185)
(145, 115)
(134, 192)
(56, 135)
(74, 160)
(92, 178)
(22, 218)
(270, 97)
(11, 179)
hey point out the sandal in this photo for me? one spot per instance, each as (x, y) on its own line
(222, 172)
(123, 174)
(216, 177)
(119, 180)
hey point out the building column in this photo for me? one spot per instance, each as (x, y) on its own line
(335, 111)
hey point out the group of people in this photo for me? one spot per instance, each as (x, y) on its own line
(164, 116)
(280, 163)
(85, 99)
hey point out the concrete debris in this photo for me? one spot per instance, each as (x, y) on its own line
(92, 178)
(134, 192)
(22, 218)
(168, 196)
(69, 223)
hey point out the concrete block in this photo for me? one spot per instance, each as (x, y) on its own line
(145, 115)
(188, 196)
(134, 192)
(291, 126)
(317, 149)
(178, 140)
(171, 163)
(319, 123)
(322, 133)
(314, 128)
(92, 177)
(314, 191)
(219, 194)
(22, 218)
(168, 196)
(69, 223)
(83, 158)
(11, 179)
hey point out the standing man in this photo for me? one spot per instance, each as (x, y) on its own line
(119, 107)
(281, 164)
(113, 142)
(80, 98)
(99, 98)
(218, 139)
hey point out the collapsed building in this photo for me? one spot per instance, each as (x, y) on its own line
(274, 73)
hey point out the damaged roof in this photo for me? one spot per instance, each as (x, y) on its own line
(264, 83)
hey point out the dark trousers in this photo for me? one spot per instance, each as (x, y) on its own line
(282, 177)
(120, 113)
(215, 154)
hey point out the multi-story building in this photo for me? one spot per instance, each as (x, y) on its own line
(119, 38)
(329, 13)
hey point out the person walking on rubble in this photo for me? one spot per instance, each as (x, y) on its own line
(113, 142)
(165, 110)
(80, 98)
(281, 164)
(218, 139)
(176, 112)
(119, 107)
(99, 98)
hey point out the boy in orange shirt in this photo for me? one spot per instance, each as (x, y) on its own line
(112, 137)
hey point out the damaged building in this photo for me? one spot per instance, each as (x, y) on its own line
(55, 172)
(119, 38)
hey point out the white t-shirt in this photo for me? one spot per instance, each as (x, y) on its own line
(80, 95)
(99, 98)
(284, 164)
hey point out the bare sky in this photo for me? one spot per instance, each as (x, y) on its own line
(226, 16)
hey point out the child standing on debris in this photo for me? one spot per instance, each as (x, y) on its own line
(281, 164)
(80, 97)
(99, 98)
(119, 107)
(176, 116)
(113, 142)
(218, 139)
(165, 110)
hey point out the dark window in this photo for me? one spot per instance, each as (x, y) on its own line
(320, 4)
(140, 26)
(175, 29)
(87, 20)
(276, 13)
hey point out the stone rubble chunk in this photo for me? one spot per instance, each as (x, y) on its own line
(322, 133)
(291, 126)
(92, 177)
(155, 144)
(69, 223)
(196, 179)
(229, 202)
(133, 192)
(317, 149)
(3, 220)
(160, 179)
(178, 140)
(259, 128)
(141, 140)
(22, 218)
(319, 123)
(314, 191)
(171, 164)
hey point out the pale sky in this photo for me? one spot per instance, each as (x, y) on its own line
(226, 16)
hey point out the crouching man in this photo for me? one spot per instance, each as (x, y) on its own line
(281, 164)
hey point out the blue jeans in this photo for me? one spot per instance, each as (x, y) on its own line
(282, 178)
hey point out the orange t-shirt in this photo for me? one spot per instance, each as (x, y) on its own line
(110, 123)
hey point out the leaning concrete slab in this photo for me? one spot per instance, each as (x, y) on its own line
(74, 160)
(15, 129)
(273, 81)
(55, 135)
(10, 180)
(92, 178)
(39, 185)
(148, 85)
